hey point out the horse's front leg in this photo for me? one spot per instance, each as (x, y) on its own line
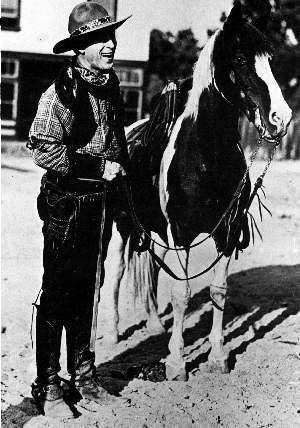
(114, 270)
(180, 296)
(218, 357)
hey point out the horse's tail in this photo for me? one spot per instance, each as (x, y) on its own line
(141, 274)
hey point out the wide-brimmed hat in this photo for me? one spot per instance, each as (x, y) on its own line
(87, 21)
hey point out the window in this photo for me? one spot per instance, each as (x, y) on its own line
(10, 68)
(132, 99)
(10, 14)
(131, 83)
(9, 95)
(130, 76)
(9, 92)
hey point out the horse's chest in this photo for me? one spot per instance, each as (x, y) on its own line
(166, 161)
(186, 175)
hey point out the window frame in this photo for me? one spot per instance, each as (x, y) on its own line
(15, 75)
(14, 80)
(125, 83)
(138, 109)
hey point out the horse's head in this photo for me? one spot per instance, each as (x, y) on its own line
(244, 75)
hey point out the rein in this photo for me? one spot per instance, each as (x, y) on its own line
(236, 195)
(258, 184)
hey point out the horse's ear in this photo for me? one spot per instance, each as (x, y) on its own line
(256, 12)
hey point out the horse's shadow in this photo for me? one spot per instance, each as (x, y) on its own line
(271, 293)
(130, 330)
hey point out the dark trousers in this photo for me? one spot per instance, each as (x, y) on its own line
(72, 218)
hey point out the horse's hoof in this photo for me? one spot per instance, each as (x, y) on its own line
(176, 371)
(218, 365)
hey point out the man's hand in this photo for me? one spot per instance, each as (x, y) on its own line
(112, 170)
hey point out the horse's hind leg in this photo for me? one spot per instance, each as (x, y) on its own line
(217, 358)
(154, 325)
(114, 270)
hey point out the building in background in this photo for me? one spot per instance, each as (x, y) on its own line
(29, 31)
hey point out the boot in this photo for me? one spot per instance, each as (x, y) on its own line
(90, 388)
(46, 390)
(87, 392)
(50, 401)
(84, 387)
(48, 342)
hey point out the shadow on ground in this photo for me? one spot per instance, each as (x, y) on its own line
(17, 416)
(15, 168)
(266, 288)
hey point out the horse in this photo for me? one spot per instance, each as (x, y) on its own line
(183, 184)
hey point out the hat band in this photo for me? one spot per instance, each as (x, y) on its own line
(96, 23)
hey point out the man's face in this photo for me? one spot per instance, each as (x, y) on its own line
(100, 56)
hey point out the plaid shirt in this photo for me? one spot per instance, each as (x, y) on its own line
(53, 123)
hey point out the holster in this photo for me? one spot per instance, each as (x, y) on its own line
(57, 208)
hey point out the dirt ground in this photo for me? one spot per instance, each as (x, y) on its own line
(262, 326)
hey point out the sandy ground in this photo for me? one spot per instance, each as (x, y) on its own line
(262, 326)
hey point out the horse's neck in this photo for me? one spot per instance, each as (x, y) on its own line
(217, 120)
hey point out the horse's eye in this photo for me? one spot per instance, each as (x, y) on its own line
(240, 60)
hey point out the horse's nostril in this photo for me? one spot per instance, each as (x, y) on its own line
(274, 117)
(276, 120)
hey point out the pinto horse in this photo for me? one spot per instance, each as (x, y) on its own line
(181, 187)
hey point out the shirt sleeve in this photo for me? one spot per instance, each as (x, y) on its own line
(48, 130)
(50, 156)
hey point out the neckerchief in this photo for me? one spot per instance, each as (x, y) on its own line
(92, 78)
(73, 85)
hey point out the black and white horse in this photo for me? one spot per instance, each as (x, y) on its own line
(201, 167)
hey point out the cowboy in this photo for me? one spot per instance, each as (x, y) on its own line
(77, 135)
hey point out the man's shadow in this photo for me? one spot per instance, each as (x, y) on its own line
(252, 294)
(16, 416)
(15, 168)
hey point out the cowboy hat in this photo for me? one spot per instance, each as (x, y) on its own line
(87, 21)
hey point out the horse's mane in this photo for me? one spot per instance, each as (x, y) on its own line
(148, 139)
(203, 76)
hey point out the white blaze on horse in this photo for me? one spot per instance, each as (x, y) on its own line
(182, 185)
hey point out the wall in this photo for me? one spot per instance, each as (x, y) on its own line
(43, 23)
